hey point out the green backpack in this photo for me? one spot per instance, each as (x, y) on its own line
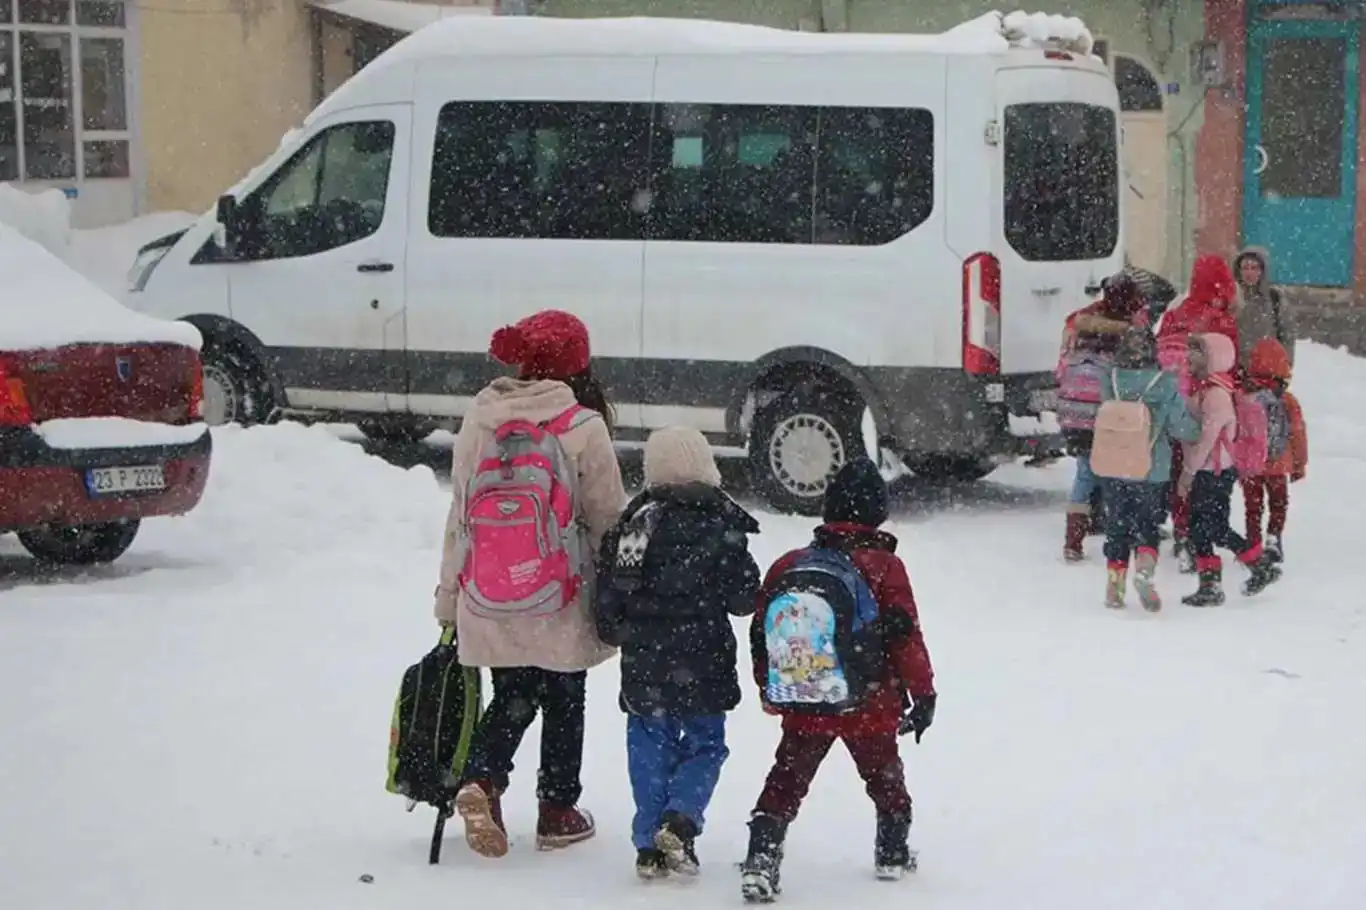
(435, 713)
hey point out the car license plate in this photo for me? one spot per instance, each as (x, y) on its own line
(1043, 400)
(148, 478)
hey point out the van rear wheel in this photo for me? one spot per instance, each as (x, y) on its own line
(951, 468)
(86, 545)
(797, 445)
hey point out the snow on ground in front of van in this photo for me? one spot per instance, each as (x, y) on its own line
(204, 723)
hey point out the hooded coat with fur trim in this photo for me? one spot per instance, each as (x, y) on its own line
(1212, 406)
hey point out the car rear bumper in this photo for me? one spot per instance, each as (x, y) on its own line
(41, 485)
(948, 411)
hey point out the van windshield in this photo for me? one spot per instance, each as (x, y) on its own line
(1061, 181)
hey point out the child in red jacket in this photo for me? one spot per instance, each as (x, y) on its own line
(901, 700)
(1269, 368)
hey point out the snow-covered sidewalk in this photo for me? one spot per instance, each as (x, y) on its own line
(203, 725)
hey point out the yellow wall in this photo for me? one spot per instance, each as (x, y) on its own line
(221, 82)
(338, 64)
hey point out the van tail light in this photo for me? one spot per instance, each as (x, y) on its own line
(1057, 55)
(14, 407)
(197, 389)
(982, 315)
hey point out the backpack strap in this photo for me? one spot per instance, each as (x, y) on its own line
(1275, 297)
(572, 418)
(1114, 384)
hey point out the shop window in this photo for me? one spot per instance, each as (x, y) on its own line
(49, 130)
(9, 117)
(107, 158)
(104, 104)
(102, 13)
(45, 12)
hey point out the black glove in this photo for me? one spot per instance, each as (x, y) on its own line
(917, 714)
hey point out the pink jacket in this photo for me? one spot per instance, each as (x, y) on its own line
(567, 641)
(1212, 405)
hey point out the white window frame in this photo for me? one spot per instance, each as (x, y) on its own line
(81, 135)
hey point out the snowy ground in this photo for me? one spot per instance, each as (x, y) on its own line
(203, 725)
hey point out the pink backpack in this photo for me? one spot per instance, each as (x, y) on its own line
(525, 549)
(1250, 442)
(1079, 379)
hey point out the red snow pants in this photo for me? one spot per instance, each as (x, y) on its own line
(1273, 489)
(800, 755)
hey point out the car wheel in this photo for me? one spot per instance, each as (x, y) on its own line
(797, 444)
(395, 432)
(86, 545)
(951, 468)
(235, 389)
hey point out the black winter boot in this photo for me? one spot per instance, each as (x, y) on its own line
(1275, 550)
(676, 840)
(759, 881)
(1185, 559)
(650, 865)
(1211, 590)
(892, 856)
(1265, 573)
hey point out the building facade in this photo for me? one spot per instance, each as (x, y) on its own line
(1280, 151)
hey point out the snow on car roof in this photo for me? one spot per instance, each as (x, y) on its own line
(45, 304)
(532, 36)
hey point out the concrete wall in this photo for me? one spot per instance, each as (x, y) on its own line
(1161, 42)
(221, 82)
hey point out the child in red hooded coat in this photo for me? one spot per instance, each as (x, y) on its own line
(1269, 368)
(903, 701)
(1207, 308)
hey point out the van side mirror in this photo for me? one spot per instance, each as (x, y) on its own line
(228, 218)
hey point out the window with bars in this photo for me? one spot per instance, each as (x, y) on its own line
(64, 90)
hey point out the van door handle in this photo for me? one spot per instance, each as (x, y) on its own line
(1047, 292)
(375, 267)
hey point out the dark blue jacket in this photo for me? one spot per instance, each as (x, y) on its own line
(670, 611)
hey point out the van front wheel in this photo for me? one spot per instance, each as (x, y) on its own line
(235, 388)
(797, 444)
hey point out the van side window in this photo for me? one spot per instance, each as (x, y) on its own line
(539, 169)
(875, 174)
(329, 194)
(733, 173)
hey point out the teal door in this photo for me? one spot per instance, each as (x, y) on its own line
(1299, 160)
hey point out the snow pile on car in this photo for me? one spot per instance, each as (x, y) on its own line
(44, 303)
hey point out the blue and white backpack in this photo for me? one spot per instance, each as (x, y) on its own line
(821, 633)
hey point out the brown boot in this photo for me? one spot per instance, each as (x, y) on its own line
(561, 826)
(1077, 523)
(482, 810)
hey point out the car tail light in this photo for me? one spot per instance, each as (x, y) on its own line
(14, 407)
(197, 389)
(982, 315)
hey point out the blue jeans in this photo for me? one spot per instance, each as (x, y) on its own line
(1134, 510)
(674, 764)
(1084, 484)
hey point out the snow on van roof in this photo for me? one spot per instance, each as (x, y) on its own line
(45, 304)
(523, 36)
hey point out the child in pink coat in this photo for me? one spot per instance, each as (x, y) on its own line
(1208, 474)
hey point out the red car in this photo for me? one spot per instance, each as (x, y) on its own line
(99, 412)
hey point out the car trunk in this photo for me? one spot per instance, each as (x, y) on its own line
(150, 382)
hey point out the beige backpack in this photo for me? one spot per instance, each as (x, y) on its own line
(1122, 447)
